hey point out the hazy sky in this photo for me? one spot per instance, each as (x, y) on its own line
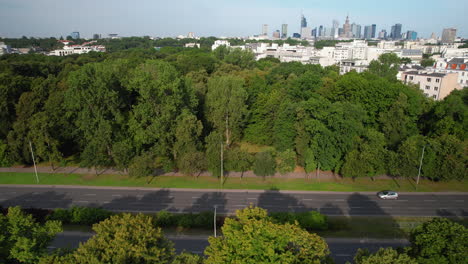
(44, 18)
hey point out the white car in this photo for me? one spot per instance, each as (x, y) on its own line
(388, 195)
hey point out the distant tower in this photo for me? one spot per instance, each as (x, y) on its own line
(265, 30)
(374, 30)
(346, 29)
(75, 35)
(449, 35)
(303, 22)
(284, 30)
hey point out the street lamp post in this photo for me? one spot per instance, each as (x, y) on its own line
(214, 219)
(420, 164)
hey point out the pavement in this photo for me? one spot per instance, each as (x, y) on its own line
(125, 199)
(342, 249)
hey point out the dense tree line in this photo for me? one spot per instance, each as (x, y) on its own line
(251, 236)
(176, 108)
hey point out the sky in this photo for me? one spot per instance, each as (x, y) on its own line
(170, 18)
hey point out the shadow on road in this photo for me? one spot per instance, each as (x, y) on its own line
(207, 202)
(154, 201)
(275, 201)
(50, 199)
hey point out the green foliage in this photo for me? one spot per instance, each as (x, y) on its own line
(142, 166)
(264, 164)
(286, 161)
(80, 215)
(5, 160)
(311, 220)
(22, 239)
(427, 62)
(439, 241)
(386, 66)
(125, 238)
(252, 238)
(238, 160)
(187, 258)
(245, 59)
(383, 256)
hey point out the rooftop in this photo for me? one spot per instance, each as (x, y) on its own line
(432, 74)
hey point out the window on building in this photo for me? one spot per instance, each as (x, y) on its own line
(434, 96)
(463, 74)
(437, 80)
(436, 88)
(411, 78)
(428, 79)
(428, 87)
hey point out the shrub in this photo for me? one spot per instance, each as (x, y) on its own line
(164, 219)
(203, 220)
(185, 220)
(313, 220)
(88, 215)
(62, 215)
(283, 217)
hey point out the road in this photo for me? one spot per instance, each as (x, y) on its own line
(342, 250)
(227, 201)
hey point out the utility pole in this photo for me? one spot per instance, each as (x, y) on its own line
(214, 220)
(420, 165)
(34, 161)
(222, 172)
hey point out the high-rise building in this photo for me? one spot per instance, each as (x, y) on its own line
(265, 29)
(320, 31)
(296, 35)
(276, 34)
(396, 32)
(284, 30)
(374, 30)
(306, 33)
(347, 29)
(75, 35)
(449, 35)
(383, 34)
(411, 35)
(303, 22)
(96, 36)
(314, 32)
(433, 36)
(368, 32)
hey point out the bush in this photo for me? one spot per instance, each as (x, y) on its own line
(313, 220)
(164, 219)
(88, 215)
(62, 215)
(203, 220)
(185, 220)
(283, 217)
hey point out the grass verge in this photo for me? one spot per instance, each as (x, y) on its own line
(342, 185)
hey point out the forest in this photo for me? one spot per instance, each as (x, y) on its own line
(177, 109)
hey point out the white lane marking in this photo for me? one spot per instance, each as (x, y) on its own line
(240, 205)
(195, 197)
(307, 199)
(35, 193)
(90, 194)
(401, 200)
(339, 200)
(117, 195)
(250, 198)
(429, 200)
(459, 201)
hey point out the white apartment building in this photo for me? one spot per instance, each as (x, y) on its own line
(434, 85)
(77, 49)
(218, 43)
(455, 65)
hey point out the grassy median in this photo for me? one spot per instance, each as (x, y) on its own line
(342, 185)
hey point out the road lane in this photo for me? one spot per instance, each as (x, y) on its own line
(179, 201)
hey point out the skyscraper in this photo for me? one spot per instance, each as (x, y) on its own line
(368, 32)
(356, 30)
(276, 34)
(75, 35)
(411, 35)
(303, 22)
(265, 30)
(449, 35)
(314, 32)
(347, 29)
(320, 31)
(374, 30)
(396, 32)
(306, 33)
(383, 34)
(284, 30)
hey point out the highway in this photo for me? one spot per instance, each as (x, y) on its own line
(342, 250)
(227, 201)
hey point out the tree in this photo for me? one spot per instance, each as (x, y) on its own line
(386, 66)
(123, 239)
(24, 240)
(187, 258)
(187, 134)
(427, 62)
(286, 161)
(283, 127)
(382, 256)
(252, 237)
(142, 165)
(213, 153)
(242, 58)
(439, 241)
(264, 164)
(122, 153)
(225, 101)
(405, 60)
(238, 160)
(192, 162)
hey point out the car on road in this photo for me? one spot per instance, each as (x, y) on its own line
(387, 195)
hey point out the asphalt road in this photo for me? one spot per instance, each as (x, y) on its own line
(227, 201)
(342, 250)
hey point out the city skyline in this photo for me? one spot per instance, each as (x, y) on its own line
(44, 18)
